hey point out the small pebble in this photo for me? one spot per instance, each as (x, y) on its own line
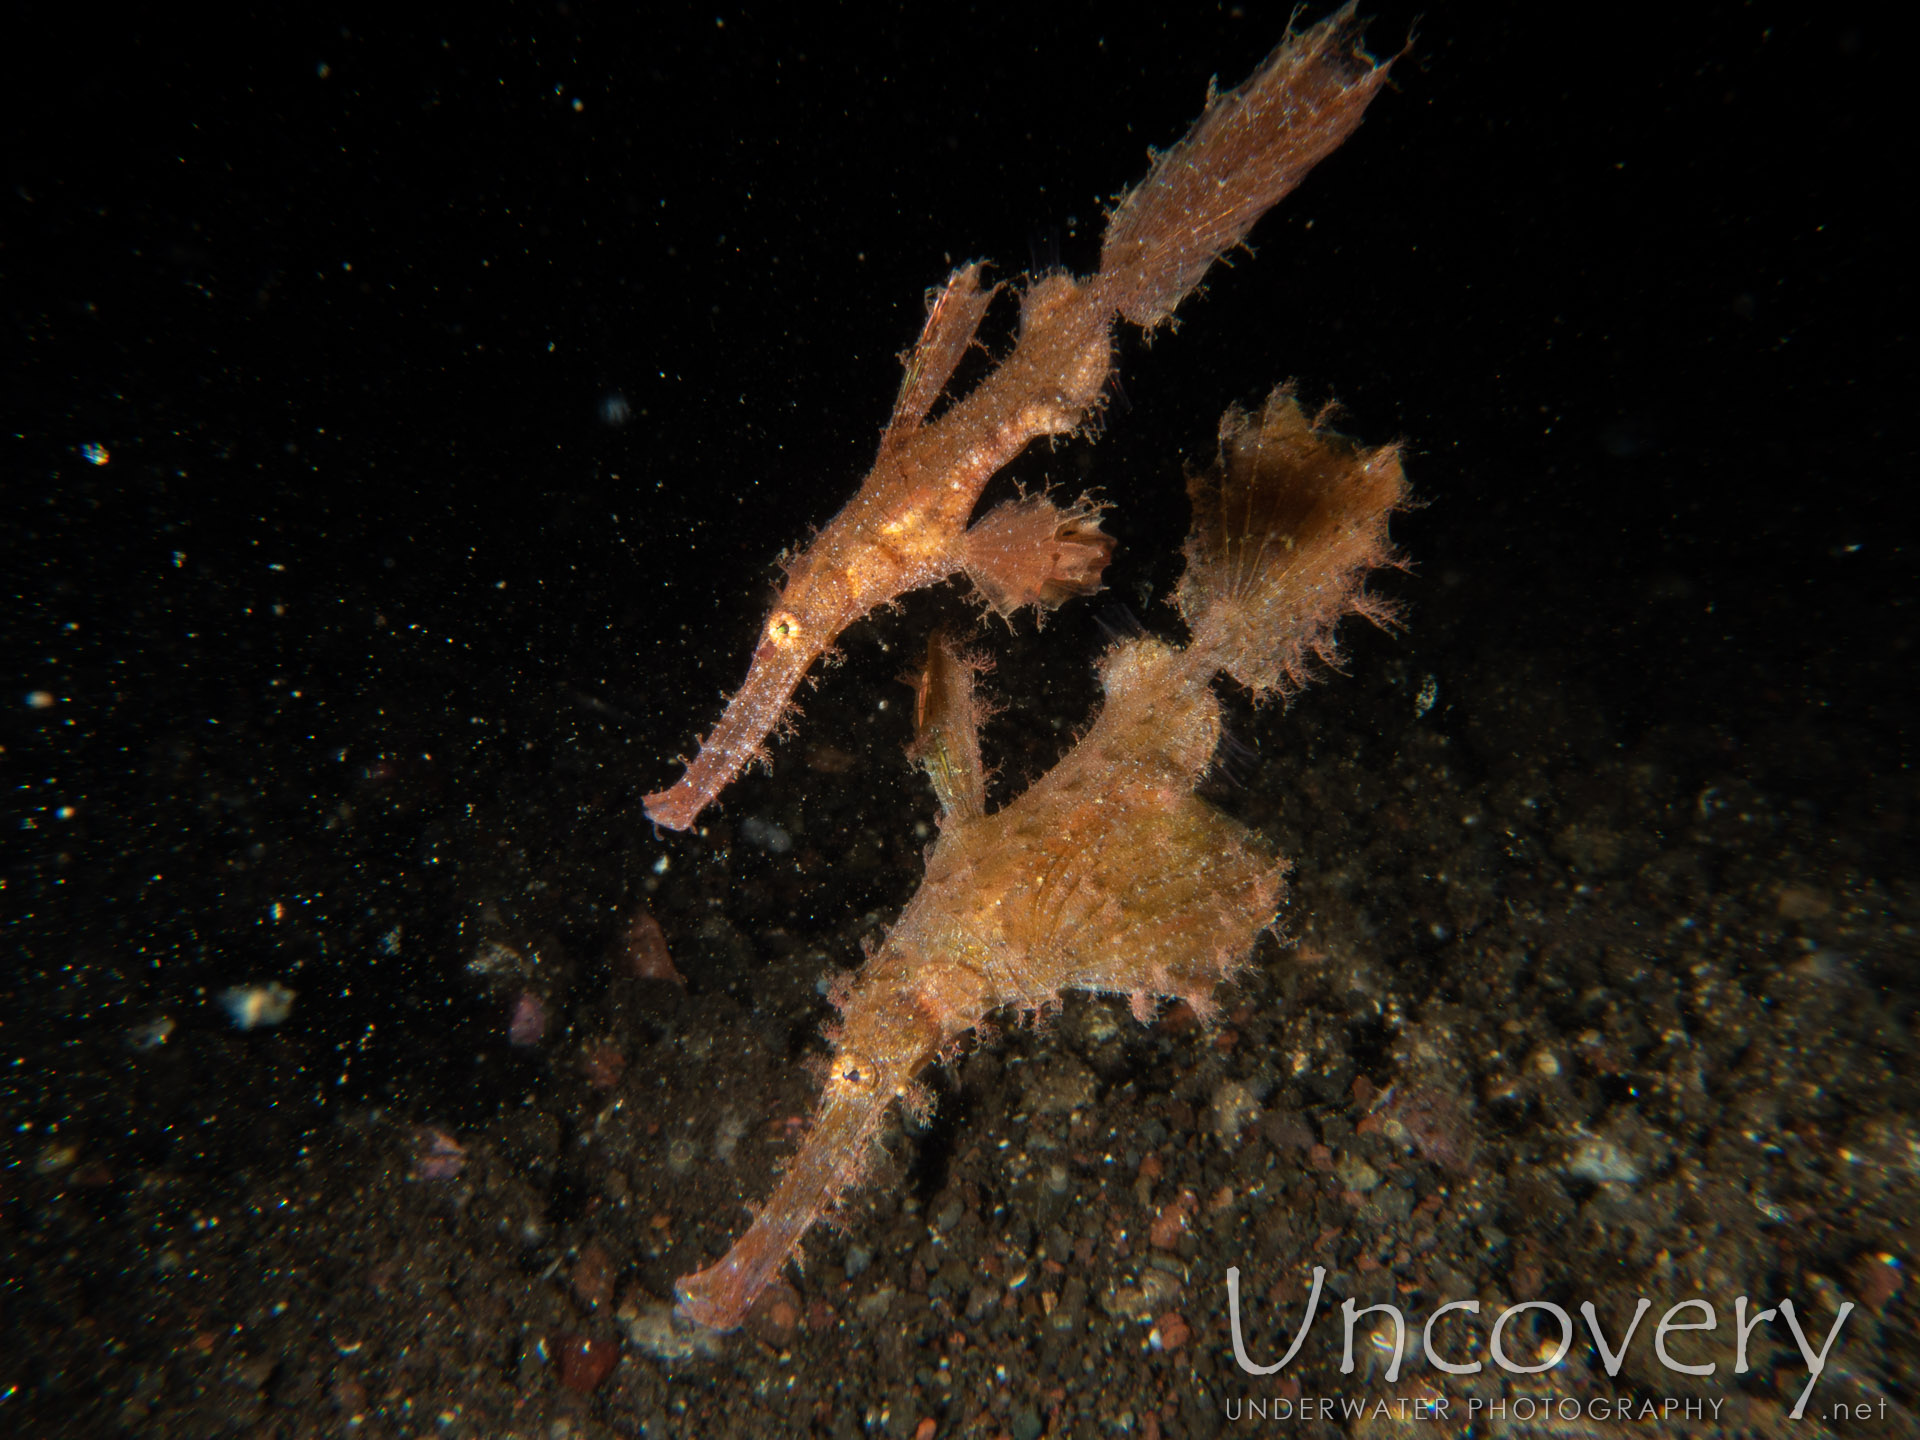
(642, 949)
(438, 1156)
(775, 1315)
(1234, 1109)
(585, 1362)
(249, 1006)
(1355, 1174)
(1169, 1332)
(1602, 1161)
(1171, 1223)
(528, 1023)
(652, 1330)
(765, 835)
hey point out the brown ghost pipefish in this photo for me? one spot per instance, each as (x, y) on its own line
(907, 527)
(1107, 874)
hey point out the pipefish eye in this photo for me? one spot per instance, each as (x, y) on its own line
(783, 628)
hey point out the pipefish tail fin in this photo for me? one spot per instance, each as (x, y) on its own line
(1287, 523)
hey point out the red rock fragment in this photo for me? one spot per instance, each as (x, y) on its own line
(1876, 1280)
(437, 1155)
(592, 1277)
(603, 1063)
(527, 1025)
(1286, 1131)
(925, 1429)
(776, 1314)
(586, 1362)
(1437, 1124)
(642, 949)
(1171, 1223)
(1169, 1332)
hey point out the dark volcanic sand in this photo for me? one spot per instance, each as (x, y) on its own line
(347, 669)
